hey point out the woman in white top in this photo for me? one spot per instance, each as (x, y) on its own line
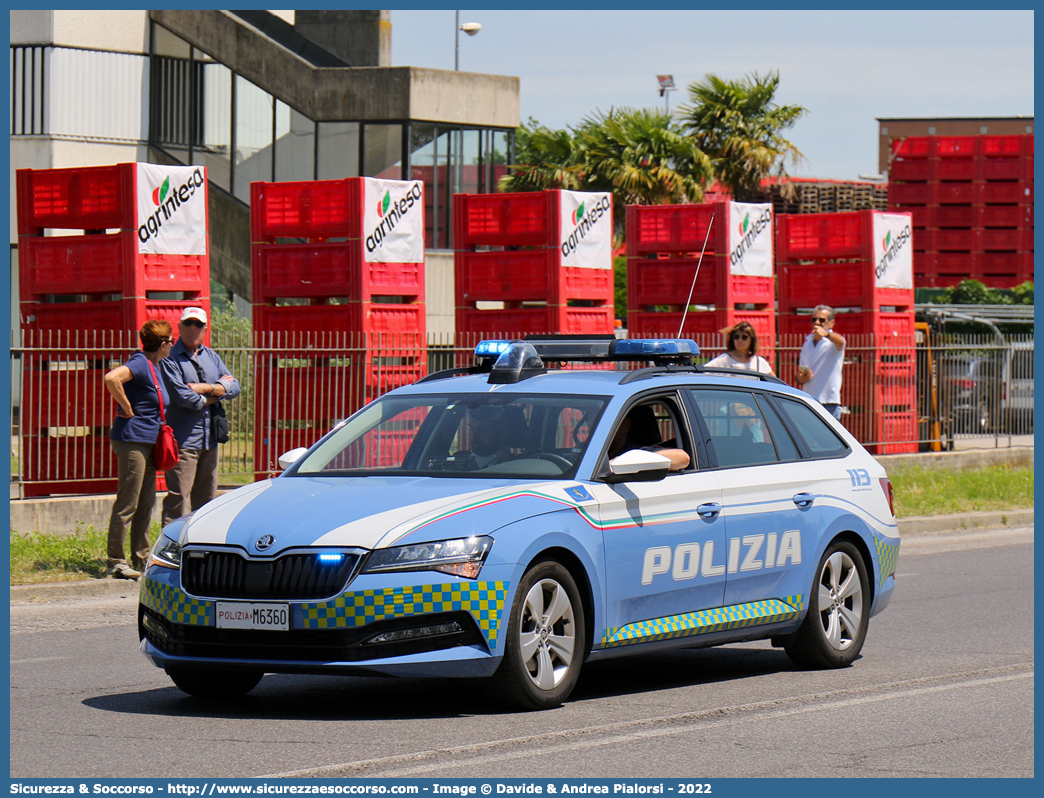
(741, 350)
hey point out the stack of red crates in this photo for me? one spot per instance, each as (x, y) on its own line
(664, 243)
(830, 259)
(507, 250)
(86, 292)
(313, 287)
(971, 198)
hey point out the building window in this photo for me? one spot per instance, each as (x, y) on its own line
(382, 147)
(212, 126)
(170, 104)
(254, 135)
(294, 144)
(27, 91)
(337, 151)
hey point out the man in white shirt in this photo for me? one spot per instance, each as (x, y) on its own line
(819, 365)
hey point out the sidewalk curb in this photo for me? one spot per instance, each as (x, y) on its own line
(933, 524)
(918, 525)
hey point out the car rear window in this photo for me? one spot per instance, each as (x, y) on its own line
(820, 439)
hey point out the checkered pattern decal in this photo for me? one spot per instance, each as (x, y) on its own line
(694, 623)
(174, 605)
(484, 600)
(887, 554)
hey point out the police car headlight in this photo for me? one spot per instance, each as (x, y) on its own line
(166, 553)
(461, 557)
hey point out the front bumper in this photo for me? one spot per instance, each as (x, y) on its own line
(446, 628)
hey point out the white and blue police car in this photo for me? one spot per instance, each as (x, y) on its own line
(514, 521)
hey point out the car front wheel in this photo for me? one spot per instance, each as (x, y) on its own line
(833, 632)
(214, 684)
(545, 640)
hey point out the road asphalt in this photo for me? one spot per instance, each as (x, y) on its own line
(915, 526)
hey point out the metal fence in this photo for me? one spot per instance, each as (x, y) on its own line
(925, 393)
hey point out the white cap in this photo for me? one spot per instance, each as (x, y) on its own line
(194, 313)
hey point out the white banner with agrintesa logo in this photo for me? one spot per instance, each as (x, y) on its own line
(893, 250)
(587, 229)
(393, 221)
(172, 209)
(750, 238)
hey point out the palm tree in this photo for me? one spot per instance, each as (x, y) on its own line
(738, 124)
(642, 157)
(545, 159)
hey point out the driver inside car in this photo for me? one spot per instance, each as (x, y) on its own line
(493, 431)
(639, 430)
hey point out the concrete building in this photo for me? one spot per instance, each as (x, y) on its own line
(256, 95)
(891, 129)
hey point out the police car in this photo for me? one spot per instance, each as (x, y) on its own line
(514, 521)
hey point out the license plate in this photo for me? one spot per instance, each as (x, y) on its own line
(241, 615)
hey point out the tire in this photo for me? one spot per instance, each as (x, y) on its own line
(544, 646)
(833, 632)
(214, 684)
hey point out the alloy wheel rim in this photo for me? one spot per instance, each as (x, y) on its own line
(547, 634)
(840, 601)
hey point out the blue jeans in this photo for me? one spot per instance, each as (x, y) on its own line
(834, 410)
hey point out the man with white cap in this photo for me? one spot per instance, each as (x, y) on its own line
(197, 380)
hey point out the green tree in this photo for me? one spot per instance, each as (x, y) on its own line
(1023, 293)
(642, 156)
(545, 158)
(740, 126)
(973, 292)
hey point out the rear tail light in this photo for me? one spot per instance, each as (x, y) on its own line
(886, 486)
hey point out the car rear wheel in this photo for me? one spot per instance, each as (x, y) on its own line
(833, 632)
(214, 684)
(544, 647)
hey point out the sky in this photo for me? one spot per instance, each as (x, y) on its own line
(846, 67)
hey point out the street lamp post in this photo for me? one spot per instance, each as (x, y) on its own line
(470, 28)
(666, 85)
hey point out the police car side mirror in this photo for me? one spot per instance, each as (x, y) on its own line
(287, 459)
(637, 465)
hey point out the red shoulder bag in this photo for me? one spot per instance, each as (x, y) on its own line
(165, 453)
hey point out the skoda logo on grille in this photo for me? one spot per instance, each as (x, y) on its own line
(265, 542)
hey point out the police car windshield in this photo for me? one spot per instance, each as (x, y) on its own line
(507, 436)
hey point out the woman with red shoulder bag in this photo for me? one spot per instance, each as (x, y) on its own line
(141, 398)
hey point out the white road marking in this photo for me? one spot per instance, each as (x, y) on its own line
(440, 759)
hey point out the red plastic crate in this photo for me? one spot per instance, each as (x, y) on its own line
(885, 430)
(104, 264)
(846, 284)
(668, 282)
(75, 397)
(119, 315)
(933, 169)
(897, 328)
(513, 219)
(1007, 146)
(527, 275)
(67, 458)
(1010, 192)
(351, 317)
(949, 240)
(919, 147)
(329, 270)
(306, 209)
(1005, 168)
(1015, 240)
(824, 236)
(935, 193)
(641, 324)
(677, 228)
(523, 321)
(1007, 216)
(85, 198)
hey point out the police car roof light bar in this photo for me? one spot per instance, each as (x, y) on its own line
(594, 348)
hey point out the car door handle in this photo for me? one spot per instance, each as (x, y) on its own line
(804, 500)
(709, 510)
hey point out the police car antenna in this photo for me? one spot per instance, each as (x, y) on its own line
(693, 287)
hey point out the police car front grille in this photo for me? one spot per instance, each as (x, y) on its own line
(306, 645)
(227, 574)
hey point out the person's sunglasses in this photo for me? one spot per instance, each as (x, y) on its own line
(820, 321)
(194, 323)
(741, 337)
